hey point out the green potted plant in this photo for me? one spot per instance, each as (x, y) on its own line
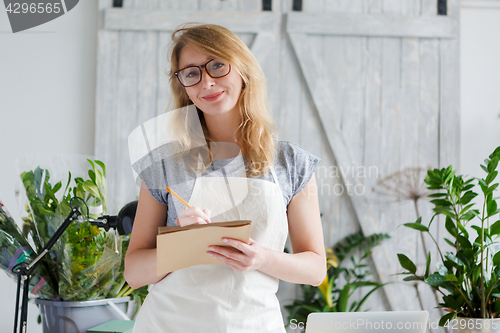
(341, 281)
(467, 274)
(85, 266)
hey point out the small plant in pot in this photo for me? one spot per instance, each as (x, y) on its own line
(468, 272)
(86, 263)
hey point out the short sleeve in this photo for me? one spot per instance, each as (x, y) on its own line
(296, 166)
(304, 167)
(159, 195)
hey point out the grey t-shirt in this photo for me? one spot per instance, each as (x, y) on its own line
(294, 168)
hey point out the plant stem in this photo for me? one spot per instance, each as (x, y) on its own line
(483, 292)
(469, 307)
(492, 286)
(440, 253)
(124, 290)
(424, 246)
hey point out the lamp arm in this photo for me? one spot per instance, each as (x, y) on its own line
(24, 273)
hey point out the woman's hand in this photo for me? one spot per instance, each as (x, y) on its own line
(193, 215)
(244, 257)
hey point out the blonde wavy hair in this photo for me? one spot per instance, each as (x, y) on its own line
(257, 127)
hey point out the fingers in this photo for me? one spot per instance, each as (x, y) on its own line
(188, 220)
(193, 215)
(242, 256)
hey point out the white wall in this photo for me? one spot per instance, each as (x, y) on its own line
(480, 83)
(47, 103)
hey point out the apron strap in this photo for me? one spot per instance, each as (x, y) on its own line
(275, 178)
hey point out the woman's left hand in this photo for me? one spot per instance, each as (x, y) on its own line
(244, 257)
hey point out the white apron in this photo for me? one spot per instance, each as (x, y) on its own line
(216, 298)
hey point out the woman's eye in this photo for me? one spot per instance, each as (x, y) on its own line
(218, 65)
(191, 74)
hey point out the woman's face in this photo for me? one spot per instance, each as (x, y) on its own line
(212, 96)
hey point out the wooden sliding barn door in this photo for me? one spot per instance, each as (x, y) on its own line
(369, 86)
(381, 76)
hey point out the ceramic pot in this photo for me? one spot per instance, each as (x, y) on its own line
(78, 317)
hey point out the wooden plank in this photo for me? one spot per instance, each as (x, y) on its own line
(105, 117)
(147, 77)
(427, 122)
(390, 146)
(372, 56)
(449, 120)
(209, 5)
(229, 5)
(178, 4)
(163, 102)
(350, 93)
(265, 48)
(293, 97)
(492, 4)
(454, 9)
(344, 6)
(254, 5)
(429, 8)
(374, 7)
(126, 95)
(105, 4)
(410, 106)
(392, 6)
(140, 4)
(168, 20)
(372, 25)
(410, 7)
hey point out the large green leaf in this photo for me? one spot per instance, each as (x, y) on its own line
(495, 228)
(103, 167)
(491, 177)
(450, 226)
(407, 263)
(450, 302)
(491, 207)
(435, 280)
(451, 278)
(467, 197)
(496, 258)
(446, 319)
(454, 258)
(344, 298)
(492, 165)
(441, 202)
(427, 265)
(417, 226)
(442, 270)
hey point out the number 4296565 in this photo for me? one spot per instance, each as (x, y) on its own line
(18, 8)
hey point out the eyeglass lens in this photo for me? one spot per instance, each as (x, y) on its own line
(192, 75)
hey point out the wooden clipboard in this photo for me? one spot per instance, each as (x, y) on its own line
(181, 247)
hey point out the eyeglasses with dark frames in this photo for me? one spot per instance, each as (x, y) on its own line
(191, 75)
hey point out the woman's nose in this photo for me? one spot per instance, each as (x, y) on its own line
(206, 80)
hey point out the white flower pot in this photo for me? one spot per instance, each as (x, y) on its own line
(78, 317)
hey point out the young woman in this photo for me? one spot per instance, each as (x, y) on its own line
(214, 70)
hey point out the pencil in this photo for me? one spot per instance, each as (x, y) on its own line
(177, 197)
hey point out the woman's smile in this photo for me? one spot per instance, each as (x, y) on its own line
(213, 97)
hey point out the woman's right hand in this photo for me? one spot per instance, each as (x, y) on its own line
(193, 215)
